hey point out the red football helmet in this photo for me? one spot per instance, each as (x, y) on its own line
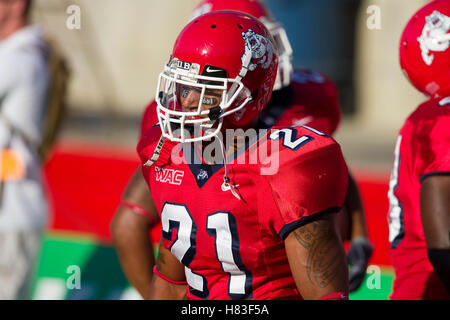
(425, 49)
(260, 11)
(228, 61)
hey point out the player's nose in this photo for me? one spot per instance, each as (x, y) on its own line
(190, 102)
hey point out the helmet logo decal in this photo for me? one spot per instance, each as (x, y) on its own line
(258, 51)
(436, 26)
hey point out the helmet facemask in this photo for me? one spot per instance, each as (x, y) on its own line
(191, 107)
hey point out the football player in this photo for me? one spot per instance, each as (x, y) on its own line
(306, 97)
(302, 97)
(230, 229)
(419, 194)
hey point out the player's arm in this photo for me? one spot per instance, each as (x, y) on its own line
(435, 214)
(360, 249)
(353, 205)
(169, 281)
(317, 259)
(309, 191)
(130, 227)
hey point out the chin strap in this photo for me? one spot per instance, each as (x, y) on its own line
(156, 152)
(226, 181)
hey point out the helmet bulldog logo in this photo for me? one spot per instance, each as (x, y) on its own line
(433, 36)
(258, 51)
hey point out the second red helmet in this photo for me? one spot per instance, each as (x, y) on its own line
(425, 49)
(257, 9)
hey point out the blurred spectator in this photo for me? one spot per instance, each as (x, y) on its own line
(27, 126)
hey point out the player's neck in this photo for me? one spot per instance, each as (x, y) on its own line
(238, 141)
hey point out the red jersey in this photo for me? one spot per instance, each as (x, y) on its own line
(232, 243)
(311, 99)
(149, 118)
(423, 148)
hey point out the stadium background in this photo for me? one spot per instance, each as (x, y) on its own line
(115, 58)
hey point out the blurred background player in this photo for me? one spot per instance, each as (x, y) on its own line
(261, 237)
(33, 82)
(300, 97)
(419, 195)
(24, 86)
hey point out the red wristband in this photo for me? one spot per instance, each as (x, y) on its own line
(335, 296)
(140, 211)
(180, 283)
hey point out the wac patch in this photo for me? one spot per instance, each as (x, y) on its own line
(169, 176)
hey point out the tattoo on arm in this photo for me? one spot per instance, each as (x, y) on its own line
(323, 263)
(160, 260)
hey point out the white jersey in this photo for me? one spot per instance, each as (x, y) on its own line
(24, 81)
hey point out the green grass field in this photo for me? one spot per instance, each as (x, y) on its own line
(68, 260)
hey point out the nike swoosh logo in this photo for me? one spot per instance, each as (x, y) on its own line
(212, 70)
